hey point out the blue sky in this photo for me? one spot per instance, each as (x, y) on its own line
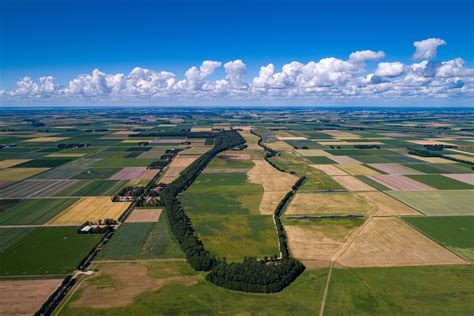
(64, 39)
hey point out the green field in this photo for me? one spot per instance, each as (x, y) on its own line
(97, 173)
(441, 182)
(142, 241)
(44, 251)
(320, 160)
(34, 211)
(45, 163)
(223, 163)
(93, 188)
(302, 297)
(449, 202)
(237, 236)
(123, 162)
(454, 232)
(443, 290)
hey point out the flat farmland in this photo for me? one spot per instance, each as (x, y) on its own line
(394, 168)
(463, 177)
(93, 188)
(386, 205)
(96, 173)
(45, 251)
(318, 239)
(142, 240)
(353, 184)
(454, 232)
(400, 183)
(90, 209)
(237, 236)
(35, 188)
(330, 170)
(175, 168)
(123, 162)
(157, 288)
(391, 242)
(442, 183)
(11, 162)
(356, 169)
(144, 215)
(447, 202)
(25, 297)
(34, 211)
(17, 174)
(433, 290)
(329, 204)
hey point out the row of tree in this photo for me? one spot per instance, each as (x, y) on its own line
(198, 257)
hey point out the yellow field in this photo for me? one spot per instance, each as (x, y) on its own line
(45, 139)
(330, 170)
(133, 141)
(17, 174)
(356, 169)
(352, 183)
(335, 143)
(90, 209)
(386, 205)
(432, 159)
(201, 129)
(11, 162)
(65, 155)
(312, 152)
(462, 157)
(329, 203)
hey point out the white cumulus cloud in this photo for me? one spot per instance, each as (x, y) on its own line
(427, 49)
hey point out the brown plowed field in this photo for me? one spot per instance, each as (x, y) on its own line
(144, 216)
(25, 297)
(390, 242)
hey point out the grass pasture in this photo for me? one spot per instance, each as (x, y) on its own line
(441, 182)
(93, 188)
(434, 290)
(106, 293)
(45, 251)
(454, 232)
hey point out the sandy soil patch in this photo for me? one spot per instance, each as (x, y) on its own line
(328, 203)
(144, 215)
(11, 162)
(275, 184)
(356, 169)
(391, 242)
(386, 205)
(313, 152)
(90, 209)
(463, 177)
(330, 170)
(127, 281)
(25, 297)
(176, 167)
(394, 168)
(352, 183)
(344, 159)
(400, 183)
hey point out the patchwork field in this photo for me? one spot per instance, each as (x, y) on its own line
(35, 188)
(90, 209)
(400, 183)
(175, 168)
(329, 204)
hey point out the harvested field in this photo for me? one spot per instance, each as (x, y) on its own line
(25, 297)
(292, 137)
(153, 153)
(329, 203)
(432, 159)
(312, 152)
(276, 184)
(144, 215)
(133, 278)
(17, 174)
(352, 183)
(11, 162)
(356, 169)
(385, 242)
(394, 168)
(400, 183)
(386, 205)
(129, 173)
(59, 155)
(225, 170)
(319, 240)
(90, 209)
(344, 159)
(452, 202)
(463, 157)
(175, 168)
(330, 170)
(279, 146)
(463, 177)
(340, 134)
(35, 188)
(334, 143)
(194, 150)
